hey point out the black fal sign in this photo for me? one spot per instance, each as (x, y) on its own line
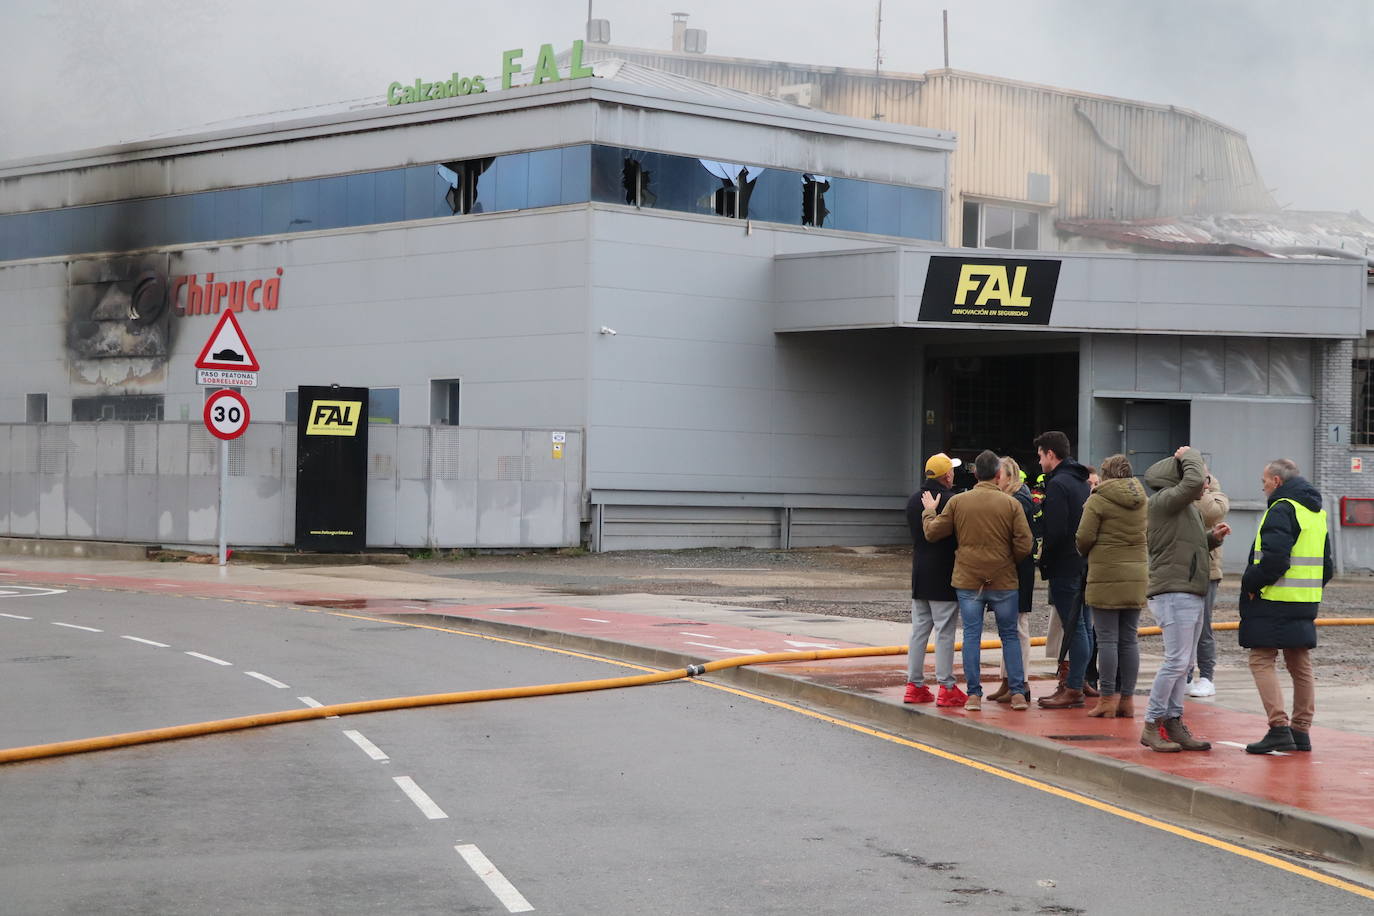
(331, 469)
(989, 290)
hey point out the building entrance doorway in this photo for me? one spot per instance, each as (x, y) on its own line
(1000, 402)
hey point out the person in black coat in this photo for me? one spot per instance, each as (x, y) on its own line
(934, 606)
(1276, 610)
(1066, 489)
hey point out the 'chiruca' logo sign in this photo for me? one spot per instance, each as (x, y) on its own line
(989, 290)
(210, 297)
(334, 418)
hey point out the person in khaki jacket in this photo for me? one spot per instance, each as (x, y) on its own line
(1111, 535)
(1214, 505)
(993, 538)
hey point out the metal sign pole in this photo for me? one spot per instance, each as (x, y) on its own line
(223, 489)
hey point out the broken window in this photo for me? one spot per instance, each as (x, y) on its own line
(814, 210)
(462, 178)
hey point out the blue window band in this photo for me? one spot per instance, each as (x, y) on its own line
(517, 181)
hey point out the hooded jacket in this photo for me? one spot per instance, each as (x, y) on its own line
(1177, 540)
(1266, 624)
(932, 565)
(1066, 489)
(1112, 536)
(1214, 505)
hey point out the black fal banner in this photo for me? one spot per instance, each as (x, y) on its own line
(989, 290)
(331, 468)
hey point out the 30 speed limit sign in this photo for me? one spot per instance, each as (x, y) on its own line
(226, 414)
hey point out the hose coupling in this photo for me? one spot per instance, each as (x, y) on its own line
(695, 670)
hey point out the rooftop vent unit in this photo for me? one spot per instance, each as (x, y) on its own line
(694, 41)
(599, 31)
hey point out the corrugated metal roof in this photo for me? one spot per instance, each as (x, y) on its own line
(1278, 234)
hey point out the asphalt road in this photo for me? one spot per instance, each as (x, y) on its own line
(670, 799)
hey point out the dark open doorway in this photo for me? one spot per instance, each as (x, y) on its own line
(1000, 402)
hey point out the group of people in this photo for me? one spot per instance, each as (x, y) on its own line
(1107, 550)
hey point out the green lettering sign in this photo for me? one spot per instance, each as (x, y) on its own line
(545, 71)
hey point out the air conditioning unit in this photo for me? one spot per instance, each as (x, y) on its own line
(797, 93)
(694, 41)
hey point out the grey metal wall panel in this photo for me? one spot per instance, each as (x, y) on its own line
(382, 442)
(52, 506)
(541, 513)
(816, 527)
(498, 513)
(412, 513)
(455, 512)
(683, 527)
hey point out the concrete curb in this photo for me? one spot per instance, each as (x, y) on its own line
(91, 550)
(1126, 782)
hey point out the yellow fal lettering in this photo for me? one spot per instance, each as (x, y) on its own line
(992, 284)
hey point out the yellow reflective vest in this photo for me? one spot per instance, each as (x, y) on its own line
(1303, 580)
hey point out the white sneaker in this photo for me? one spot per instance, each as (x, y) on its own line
(1202, 688)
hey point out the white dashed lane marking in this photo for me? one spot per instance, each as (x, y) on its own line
(417, 795)
(146, 642)
(496, 882)
(76, 626)
(209, 658)
(16, 617)
(368, 747)
(314, 704)
(265, 679)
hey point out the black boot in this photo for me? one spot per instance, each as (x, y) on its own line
(1303, 740)
(1279, 738)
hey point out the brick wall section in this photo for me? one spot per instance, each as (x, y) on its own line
(1331, 475)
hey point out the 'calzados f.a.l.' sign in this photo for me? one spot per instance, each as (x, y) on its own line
(545, 71)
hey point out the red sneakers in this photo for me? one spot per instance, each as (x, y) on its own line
(921, 694)
(951, 696)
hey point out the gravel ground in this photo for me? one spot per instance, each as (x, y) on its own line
(866, 582)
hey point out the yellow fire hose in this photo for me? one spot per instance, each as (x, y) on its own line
(149, 736)
(152, 735)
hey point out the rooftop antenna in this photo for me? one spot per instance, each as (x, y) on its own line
(589, 25)
(945, 15)
(878, 67)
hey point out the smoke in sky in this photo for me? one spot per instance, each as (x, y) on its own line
(1293, 77)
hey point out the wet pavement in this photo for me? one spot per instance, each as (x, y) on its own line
(1333, 786)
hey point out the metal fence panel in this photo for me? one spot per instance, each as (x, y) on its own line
(159, 483)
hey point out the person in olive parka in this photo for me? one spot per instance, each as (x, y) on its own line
(1111, 535)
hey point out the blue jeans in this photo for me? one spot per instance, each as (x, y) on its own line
(1180, 617)
(1064, 595)
(1004, 604)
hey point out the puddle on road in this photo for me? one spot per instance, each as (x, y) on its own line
(363, 604)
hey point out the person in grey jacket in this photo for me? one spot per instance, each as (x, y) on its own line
(1180, 571)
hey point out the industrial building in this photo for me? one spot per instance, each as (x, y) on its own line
(744, 320)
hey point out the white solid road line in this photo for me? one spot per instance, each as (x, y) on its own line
(314, 704)
(265, 679)
(417, 795)
(85, 578)
(76, 626)
(513, 900)
(727, 649)
(594, 619)
(165, 585)
(368, 747)
(147, 642)
(16, 617)
(209, 658)
(700, 635)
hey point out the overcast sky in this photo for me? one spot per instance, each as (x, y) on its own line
(1295, 77)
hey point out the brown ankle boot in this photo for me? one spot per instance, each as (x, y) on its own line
(1002, 694)
(1106, 707)
(1062, 675)
(1150, 737)
(1125, 707)
(1179, 734)
(1067, 698)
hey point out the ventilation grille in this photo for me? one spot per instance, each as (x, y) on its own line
(513, 467)
(53, 446)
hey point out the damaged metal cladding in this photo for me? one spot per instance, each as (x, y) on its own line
(118, 328)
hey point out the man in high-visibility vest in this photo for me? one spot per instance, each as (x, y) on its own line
(1279, 596)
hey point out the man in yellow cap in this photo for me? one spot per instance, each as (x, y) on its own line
(934, 606)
